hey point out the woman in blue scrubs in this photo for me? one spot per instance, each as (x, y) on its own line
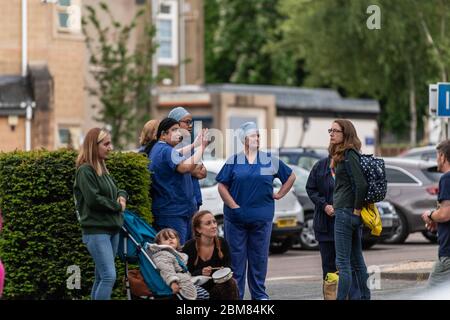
(173, 201)
(184, 118)
(246, 187)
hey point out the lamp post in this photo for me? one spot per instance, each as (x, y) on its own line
(28, 106)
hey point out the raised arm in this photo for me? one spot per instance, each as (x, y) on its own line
(189, 164)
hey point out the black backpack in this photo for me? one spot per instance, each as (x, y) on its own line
(375, 173)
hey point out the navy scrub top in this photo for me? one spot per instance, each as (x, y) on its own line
(443, 231)
(172, 192)
(251, 186)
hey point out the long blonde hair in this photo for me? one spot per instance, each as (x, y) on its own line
(89, 151)
(148, 133)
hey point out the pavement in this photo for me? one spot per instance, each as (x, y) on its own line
(411, 270)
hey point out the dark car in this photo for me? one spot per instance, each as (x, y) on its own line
(389, 217)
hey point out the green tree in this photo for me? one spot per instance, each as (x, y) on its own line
(123, 77)
(393, 64)
(237, 35)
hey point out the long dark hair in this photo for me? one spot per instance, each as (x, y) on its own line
(164, 126)
(196, 222)
(351, 141)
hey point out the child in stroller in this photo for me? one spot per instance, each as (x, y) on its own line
(172, 265)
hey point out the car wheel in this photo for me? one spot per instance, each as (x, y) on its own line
(307, 237)
(280, 247)
(367, 244)
(220, 230)
(430, 236)
(401, 232)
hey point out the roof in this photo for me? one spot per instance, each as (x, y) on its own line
(13, 91)
(304, 99)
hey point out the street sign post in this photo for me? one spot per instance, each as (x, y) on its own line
(443, 99)
(439, 103)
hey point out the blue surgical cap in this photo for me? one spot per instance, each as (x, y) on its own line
(247, 129)
(178, 113)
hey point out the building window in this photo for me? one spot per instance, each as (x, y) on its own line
(69, 136)
(167, 32)
(69, 16)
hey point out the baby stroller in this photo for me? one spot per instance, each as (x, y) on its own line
(133, 238)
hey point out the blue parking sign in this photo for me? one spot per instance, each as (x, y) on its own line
(443, 94)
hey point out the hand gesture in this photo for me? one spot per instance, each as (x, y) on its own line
(204, 138)
(206, 271)
(198, 139)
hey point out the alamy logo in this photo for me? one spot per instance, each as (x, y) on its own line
(74, 281)
(374, 21)
(374, 280)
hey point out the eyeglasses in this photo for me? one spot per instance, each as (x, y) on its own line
(188, 122)
(334, 131)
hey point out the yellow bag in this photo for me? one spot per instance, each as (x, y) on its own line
(371, 218)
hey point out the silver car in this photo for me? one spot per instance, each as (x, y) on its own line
(287, 221)
(423, 153)
(412, 189)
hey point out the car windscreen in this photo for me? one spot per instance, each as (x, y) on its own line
(432, 173)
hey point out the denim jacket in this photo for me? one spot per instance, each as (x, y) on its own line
(320, 187)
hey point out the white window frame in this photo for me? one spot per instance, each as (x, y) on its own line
(173, 17)
(74, 12)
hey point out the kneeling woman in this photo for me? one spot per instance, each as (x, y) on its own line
(207, 253)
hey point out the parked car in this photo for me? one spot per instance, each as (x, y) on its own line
(307, 240)
(288, 219)
(302, 157)
(423, 153)
(412, 188)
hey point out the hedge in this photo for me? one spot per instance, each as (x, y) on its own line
(41, 237)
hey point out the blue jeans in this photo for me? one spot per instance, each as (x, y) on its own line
(103, 249)
(249, 247)
(347, 236)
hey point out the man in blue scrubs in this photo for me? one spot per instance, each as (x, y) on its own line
(246, 187)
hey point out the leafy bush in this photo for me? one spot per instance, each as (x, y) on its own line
(41, 236)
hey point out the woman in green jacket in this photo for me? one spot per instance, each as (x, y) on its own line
(100, 205)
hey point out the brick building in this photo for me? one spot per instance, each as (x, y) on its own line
(45, 67)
